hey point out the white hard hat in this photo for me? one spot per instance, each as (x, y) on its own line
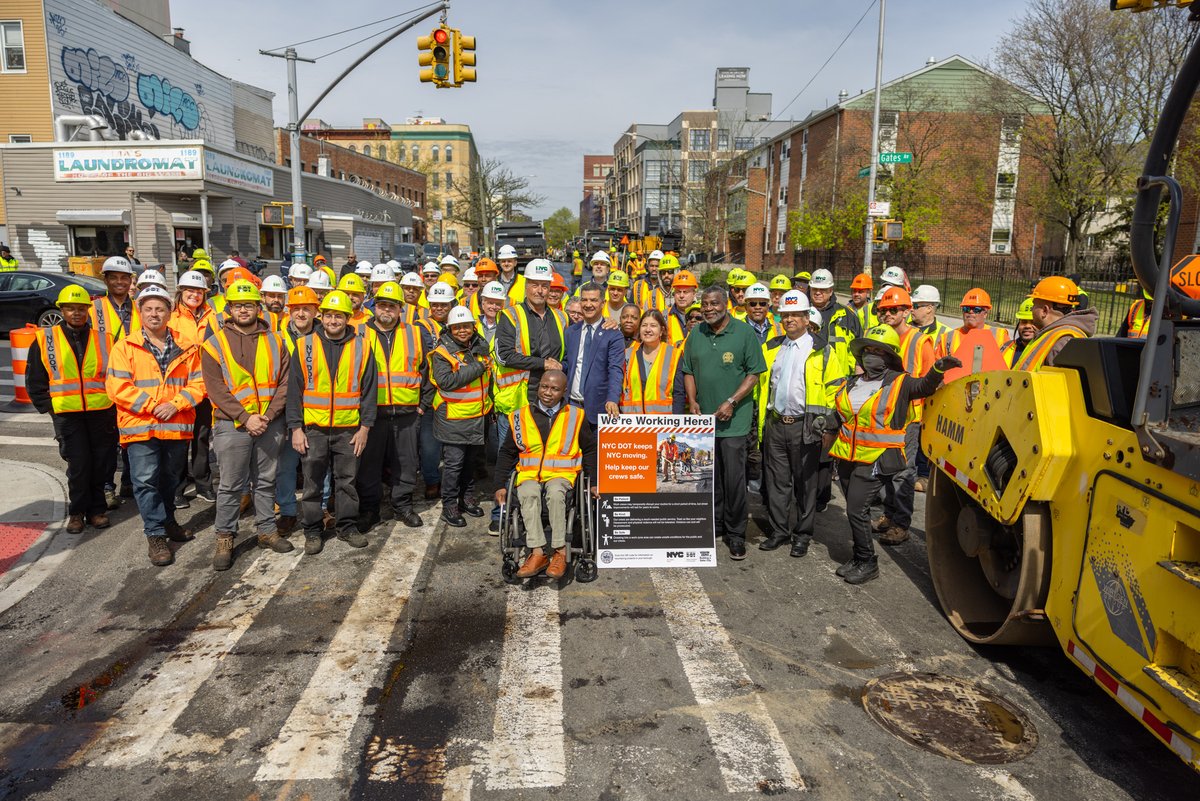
(793, 301)
(395, 265)
(228, 264)
(470, 275)
(192, 279)
(494, 290)
(431, 267)
(273, 283)
(448, 259)
(411, 279)
(655, 254)
(301, 271)
(539, 270)
(893, 276)
(363, 268)
(600, 255)
(149, 276)
(440, 293)
(116, 264)
(381, 273)
(926, 294)
(320, 280)
(507, 252)
(460, 314)
(154, 291)
(757, 291)
(821, 279)
(814, 318)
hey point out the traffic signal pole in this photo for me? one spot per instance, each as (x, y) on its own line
(868, 229)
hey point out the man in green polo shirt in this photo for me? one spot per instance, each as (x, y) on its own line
(721, 363)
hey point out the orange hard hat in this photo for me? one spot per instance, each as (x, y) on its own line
(977, 297)
(557, 282)
(893, 297)
(1056, 289)
(1185, 275)
(302, 296)
(486, 265)
(862, 281)
(685, 278)
(319, 259)
(241, 274)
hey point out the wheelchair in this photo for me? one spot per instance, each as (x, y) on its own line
(580, 538)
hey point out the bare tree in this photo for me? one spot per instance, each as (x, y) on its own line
(503, 194)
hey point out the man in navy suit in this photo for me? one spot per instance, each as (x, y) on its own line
(595, 365)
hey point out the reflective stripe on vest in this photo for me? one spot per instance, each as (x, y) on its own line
(465, 403)
(108, 323)
(332, 404)
(867, 433)
(254, 391)
(400, 371)
(75, 387)
(1137, 320)
(654, 395)
(1035, 353)
(559, 457)
(512, 385)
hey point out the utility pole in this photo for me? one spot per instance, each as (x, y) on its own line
(868, 245)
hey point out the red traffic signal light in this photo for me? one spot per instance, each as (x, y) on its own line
(441, 36)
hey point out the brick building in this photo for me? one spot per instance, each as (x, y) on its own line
(596, 170)
(965, 192)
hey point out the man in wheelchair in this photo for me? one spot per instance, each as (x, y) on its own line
(544, 449)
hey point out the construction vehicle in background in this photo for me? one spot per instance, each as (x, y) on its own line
(1065, 506)
(528, 238)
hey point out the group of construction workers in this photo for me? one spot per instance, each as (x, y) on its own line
(346, 386)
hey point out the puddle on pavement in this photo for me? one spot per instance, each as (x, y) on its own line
(841, 653)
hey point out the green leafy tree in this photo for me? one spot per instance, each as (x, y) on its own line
(560, 227)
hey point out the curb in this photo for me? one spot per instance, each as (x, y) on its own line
(51, 547)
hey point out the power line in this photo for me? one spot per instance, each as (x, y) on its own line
(403, 14)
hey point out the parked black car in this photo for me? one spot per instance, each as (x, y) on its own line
(28, 296)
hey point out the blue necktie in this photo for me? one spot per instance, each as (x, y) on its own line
(587, 357)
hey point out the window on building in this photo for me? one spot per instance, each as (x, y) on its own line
(697, 169)
(595, 170)
(416, 153)
(366, 150)
(436, 150)
(12, 42)
(449, 180)
(653, 171)
(449, 208)
(722, 139)
(698, 139)
(449, 153)
(17, 139)
(436, 180)
(353, 148)
(743, 143)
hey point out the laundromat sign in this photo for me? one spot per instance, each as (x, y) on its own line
(125, 164)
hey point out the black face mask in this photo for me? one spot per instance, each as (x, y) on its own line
(873, 365)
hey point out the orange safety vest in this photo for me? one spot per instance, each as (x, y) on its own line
(866, 433)
(916, 350)
(1035, 353)
(332, 403)
(559, 457)
(253, 390)
(399, 373)
(951, 338)
(465, 403)
(104, 318)
(137, 385)
(654, 394)
(1138, 321)
(360, 317)
(647, 296)
(191, 328)
(413, 313)
(75, 387)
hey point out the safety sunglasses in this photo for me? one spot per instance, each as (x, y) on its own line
(895, 310)
(756, 303)
(974, 309)
(695, 318)
(470, 283)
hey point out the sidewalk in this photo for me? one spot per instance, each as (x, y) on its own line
(32, 540)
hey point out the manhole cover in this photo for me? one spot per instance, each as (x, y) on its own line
(950, 717)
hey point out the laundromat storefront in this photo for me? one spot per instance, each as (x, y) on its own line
(94, 198)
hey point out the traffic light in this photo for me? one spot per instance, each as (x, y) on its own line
(887, 231)
(435, 57)
(464, 58)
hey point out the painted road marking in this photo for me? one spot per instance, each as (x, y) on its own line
(48, 441)
(747, 743)
(527, 748)
(146, 719)
(315, 737)
(35, 493)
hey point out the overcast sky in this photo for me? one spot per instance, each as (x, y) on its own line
(561, 78)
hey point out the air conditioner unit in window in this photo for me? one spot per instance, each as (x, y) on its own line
(1000, 248)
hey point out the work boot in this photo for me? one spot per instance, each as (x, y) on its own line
(920, 484)
(844, 568)
(285, 525)
(367, 521)
(862, 571)
(275, 542)
(535, 563)
(99, 520)
(245, 504)
(894, 536)
(112, 500)
(75, 524)
(353, 538)
(177, 533)
(223, 555)
(471, 506)
(558, 564)
(773, 542)
(313, 544)
(409, 518)
(453, 517)
(160, 552)
(881, 524)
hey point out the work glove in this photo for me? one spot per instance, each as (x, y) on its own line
(945, 363)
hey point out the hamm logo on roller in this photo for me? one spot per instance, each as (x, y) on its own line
(950, 429)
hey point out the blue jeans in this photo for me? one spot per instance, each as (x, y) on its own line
(431, 451)
(155, 465)
(503, 433)
(285, 478)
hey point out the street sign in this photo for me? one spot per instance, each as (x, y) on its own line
(895, 158)
(879, 208)
(864, 172)
(437, 215)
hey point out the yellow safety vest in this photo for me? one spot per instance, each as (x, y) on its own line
(107, 322)
(647, 296)
(914, 365)
(399, 373)
(7, 265)
(1035, 353)
(465, 403)
(1138, 321)
(253, 390)
(75, 387)
(823, 377)
(512, 386)
(559, 457)
(332, 404)
(656, 396)
(865, 434)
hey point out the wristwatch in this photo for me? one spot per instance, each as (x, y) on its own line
(731, 401)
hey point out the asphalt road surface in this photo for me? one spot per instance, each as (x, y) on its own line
(410, 670)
